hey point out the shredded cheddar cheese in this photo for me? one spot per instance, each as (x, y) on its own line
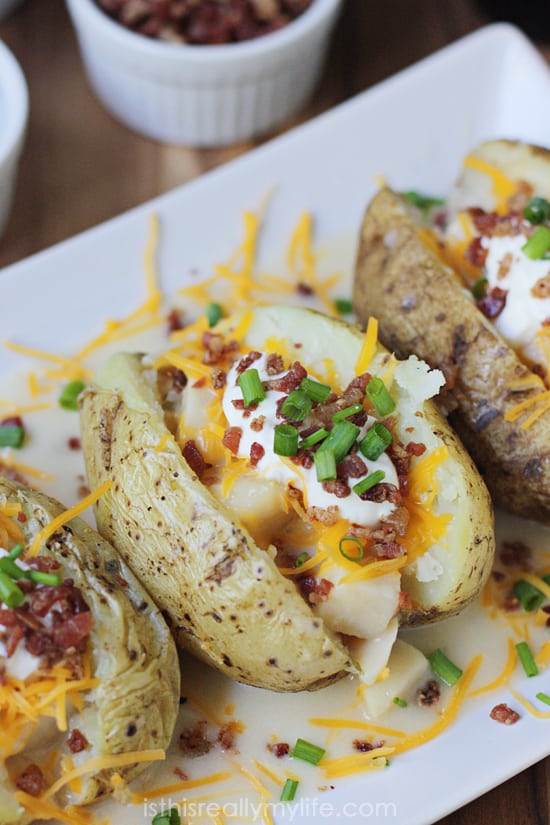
(504, 676)
(425, 527)
(369, 347)
(503, 187)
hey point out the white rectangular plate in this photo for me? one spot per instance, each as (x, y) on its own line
(413, 129)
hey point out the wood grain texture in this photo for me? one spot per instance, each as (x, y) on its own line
(79, 168)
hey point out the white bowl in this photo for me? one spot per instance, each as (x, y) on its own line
(203, 95)
(14, 109)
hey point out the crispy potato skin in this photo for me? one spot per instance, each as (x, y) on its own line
(422, 308)
(132, 653)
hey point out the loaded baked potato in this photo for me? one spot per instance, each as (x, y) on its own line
(82, 642)
(284, 554)
(470, 294)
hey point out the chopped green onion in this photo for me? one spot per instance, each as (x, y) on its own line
(527, 659)
(251, 387)
(341, 415)
(422, 201)
(538, 244)
(399, 702)
(530, 596)
(11, 435)
(537, 210)
(12, 569)
(546, 578)
(214, 312)
(10, 594)
(314, 438)
(285, 440)
(70, 393)
(369, 482)
(38, 577)
(343, 306)
(377, 439)
(355, 541)
(325, 465)
(479, 289)
(301, 559)
(380, 397)
(446, 670)
(16, 551)
(170, 817)
(543, 697)
(340, 440)
(289, 790)
(315, 390)
(307, 752)
(297, 405)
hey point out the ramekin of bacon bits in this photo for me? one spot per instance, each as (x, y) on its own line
(203, 72)
(14, 109)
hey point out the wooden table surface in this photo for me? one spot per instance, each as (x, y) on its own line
(80, 167)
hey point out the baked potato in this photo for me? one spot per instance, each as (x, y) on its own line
(470, 301)
(74, 620)
(214, 512)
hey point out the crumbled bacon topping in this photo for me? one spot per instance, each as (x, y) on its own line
(290, 381)
(429, 694)
(274, 364)
(279, 749)
(504, 714)
(492, 304)
(194, 457)
(315, 590)
(193, 741)
(337, 487)
(174, 321)
(232, 438)
(257, 452)
(77, 742)
(475, 252)
(30, 781)
(542, 287)
(246, 362)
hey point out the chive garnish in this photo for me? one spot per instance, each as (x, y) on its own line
(370, 481)
(343, 306)
(530, 597)
(315, 390)
(358, 544)
(170, 817)
(11, 569)
(341, 415)
(446, 670)
(399, 702)
(307, 752)
(422, 201)
(340, 439)
(251, 387)
(69, 395)
(38, 577)
(527, 659)
(543, 697)
(301, 559)
(297, 405)
(325, 465)
(285, 440)
(537, 210)
(11, 435)
(377, 439)
(289, 790)
(380, 397)
(479, 288)
(10, 594)
(313, 438)
(214, 312)
(538, 244)
(16, 551)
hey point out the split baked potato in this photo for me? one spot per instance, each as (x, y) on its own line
(462, 298)
(219, 538)
(91, 624)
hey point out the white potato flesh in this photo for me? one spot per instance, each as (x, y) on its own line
(361, 608)
(371, 655)
(407, 666)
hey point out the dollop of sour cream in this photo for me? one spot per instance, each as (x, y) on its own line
(273, 467)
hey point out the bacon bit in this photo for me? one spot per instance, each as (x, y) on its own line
(170, 379)
(83, 490)
(504, 714)
(21, 517)
(363, 746)
(194, 458)
(429, 694)
(291, 380)
(475, 253)
(174, 321)
(304, 289)
(521, 198)
(274, 364)
(219, 378)
(315, 590)
(30, 781)
(193, 741)
(484, 222)
(247, 361)
(405, 601)
(232, 438)
(77, 742)
(13, 637)
(73, 631)
(74, 443)
(415, 449)
(12, 421)
(504, 266)
(328, 516)
(542, 288)
(352, 466)
(516, 554)
(510, 602)
(43, 563)
(257, 424)
(492, 304)
(302, 459)
(336, 487)
(227, 734)
(279, 749)
(180, 774)
(382, 492)
(215, 348)
(257, 452)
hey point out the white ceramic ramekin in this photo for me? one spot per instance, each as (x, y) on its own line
(14, 109)
(203, 95)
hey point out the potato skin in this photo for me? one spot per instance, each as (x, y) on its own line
(135, 706)
(422, 308)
